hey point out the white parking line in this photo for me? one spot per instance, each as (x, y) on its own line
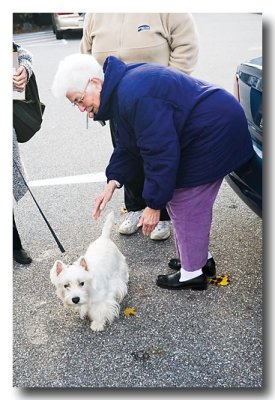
(70, 180)
(35, 39)
(28, 35)
(58, 42)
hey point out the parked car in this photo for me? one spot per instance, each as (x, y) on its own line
(63, 22)
(247, 182)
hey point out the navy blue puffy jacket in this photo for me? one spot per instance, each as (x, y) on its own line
(184, 132)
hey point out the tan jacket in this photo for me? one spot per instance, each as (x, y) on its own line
(167, 39)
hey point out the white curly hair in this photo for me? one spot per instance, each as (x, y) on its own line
(73, 73)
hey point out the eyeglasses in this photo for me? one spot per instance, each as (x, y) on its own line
(79, 102)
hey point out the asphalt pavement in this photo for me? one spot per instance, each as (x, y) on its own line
(209, 339)
(177, 339)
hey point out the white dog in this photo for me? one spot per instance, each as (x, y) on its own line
(95, 284)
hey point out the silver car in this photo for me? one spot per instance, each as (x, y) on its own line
(63, 22)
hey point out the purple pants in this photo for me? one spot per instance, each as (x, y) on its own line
(190, 211)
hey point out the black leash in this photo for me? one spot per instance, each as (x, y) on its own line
(41, 212)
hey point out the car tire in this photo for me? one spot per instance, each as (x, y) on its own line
(59, 34)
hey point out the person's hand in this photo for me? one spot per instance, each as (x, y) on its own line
(149, 220)
(103, 199)
(20, 79)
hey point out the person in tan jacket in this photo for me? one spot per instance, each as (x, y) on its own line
(166, 39)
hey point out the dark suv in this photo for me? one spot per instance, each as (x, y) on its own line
(247, 182)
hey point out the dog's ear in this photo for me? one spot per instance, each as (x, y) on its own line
(59, 266)
(56, 270)
(83, 264)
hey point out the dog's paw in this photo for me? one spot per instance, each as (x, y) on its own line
(97, 326)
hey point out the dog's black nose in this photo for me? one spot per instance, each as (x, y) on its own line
(75, 300)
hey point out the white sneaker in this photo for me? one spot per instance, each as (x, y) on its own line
(162, 231)
(129, 225)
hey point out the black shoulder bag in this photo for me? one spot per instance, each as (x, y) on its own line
(27, 114)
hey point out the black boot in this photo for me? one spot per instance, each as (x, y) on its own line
(21, 256)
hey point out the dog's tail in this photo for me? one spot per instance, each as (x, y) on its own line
(106, 231)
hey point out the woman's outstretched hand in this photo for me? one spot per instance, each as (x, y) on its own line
(103, 199)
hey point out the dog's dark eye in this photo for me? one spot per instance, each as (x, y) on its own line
(66, 286)
(81, 284)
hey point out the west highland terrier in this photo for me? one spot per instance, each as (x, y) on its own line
(96, 283)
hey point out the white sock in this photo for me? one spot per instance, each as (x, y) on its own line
(209, 255)
(186, 275)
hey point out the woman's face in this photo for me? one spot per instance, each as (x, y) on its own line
(89, 99)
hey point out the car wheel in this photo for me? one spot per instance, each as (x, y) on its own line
(59, 34)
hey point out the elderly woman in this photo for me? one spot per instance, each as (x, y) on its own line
(169, 39)
(187, 134)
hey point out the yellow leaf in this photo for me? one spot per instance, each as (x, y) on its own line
(130, 312)
(220, 280)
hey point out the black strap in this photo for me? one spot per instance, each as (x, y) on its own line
(41, 212)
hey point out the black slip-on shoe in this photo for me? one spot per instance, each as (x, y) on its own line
(209, 269)
(175, 264)
(21, 256)
(172, 282)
